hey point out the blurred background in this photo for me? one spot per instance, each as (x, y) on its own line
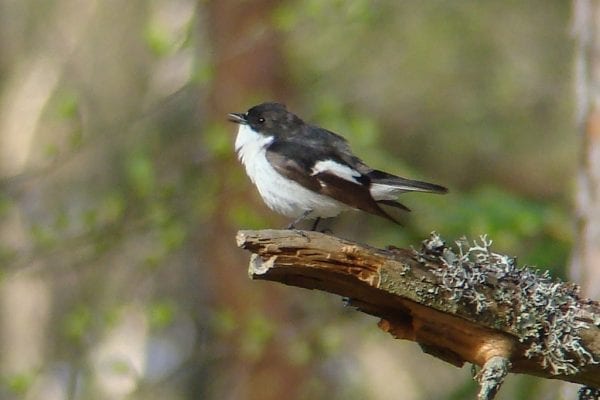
(120, 194)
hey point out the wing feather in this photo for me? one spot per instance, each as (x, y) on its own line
(297, 161)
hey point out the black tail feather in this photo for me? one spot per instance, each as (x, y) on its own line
(393, 203)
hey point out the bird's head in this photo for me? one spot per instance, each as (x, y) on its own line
(269, 119)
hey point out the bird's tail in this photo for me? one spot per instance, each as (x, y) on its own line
(385, 188)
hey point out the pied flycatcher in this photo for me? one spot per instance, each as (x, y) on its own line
(304, 171)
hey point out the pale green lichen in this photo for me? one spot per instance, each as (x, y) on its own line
(541, 310)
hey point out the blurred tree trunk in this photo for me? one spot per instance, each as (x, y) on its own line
(585, 259)
(248, 65)
(585, 266)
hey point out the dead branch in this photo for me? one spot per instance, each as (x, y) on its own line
(462, 304)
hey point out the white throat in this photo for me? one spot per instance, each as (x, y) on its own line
(249, 145)
(248, 137)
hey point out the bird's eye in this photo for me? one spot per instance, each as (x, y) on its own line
(261, 120)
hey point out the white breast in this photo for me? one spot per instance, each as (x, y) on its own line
(279, 193)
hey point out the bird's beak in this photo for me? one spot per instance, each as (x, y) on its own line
(238, 118)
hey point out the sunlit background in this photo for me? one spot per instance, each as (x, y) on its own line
(120, 194)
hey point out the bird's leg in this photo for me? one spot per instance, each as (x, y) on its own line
(300, 218)
(315, 224)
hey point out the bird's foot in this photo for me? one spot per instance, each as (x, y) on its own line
(299, 219)
(301, 233)
(315, 224)
(325, 231)
(292, 226)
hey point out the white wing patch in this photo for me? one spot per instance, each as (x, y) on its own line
(337, 169)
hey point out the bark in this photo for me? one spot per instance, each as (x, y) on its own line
(462, 304)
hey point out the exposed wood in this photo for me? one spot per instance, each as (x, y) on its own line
(461, 304)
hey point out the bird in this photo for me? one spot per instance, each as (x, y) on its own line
(303, 171)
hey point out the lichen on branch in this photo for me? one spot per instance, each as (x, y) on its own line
(541, 311)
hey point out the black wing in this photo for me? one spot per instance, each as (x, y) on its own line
(296, 161)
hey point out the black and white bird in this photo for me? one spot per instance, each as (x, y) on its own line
(304, 171)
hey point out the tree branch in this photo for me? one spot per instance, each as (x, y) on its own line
(462, 304)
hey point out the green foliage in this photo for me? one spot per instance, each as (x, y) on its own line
(75, 140)
(246, 216)
(68, 105)
(158, 40)
(203, 74)
(299, 351)
(539, 233)
(258, 331)
(6, 203)
(173, 235)
(218, 141)
(164, 37)
(112, 207)
(121, 367)
(19, 384)
(42, 236)
(140, 174)
(330, 339)
(223, 321)
(288, 15)
(51, 150)
(77, 323)
(161, 313)
(531, 229)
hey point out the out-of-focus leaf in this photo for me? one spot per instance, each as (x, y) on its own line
(538, 232)
(51, 150)
(112, 207)
(203, 74)
(173, 235)
(257, 333)
(158, 213)
(224, 321)
(68, 105)
(77, 323)
(218, 140)
(330, 339)
(6, 203)
(90, 218)
(76, 139)
(284, 17)
(244, 216)
(19, 384)
(140, 173)
(161, 314)
(158, 40)
(299, 351)
(121, 366)
(42, 236)
(61, 220)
